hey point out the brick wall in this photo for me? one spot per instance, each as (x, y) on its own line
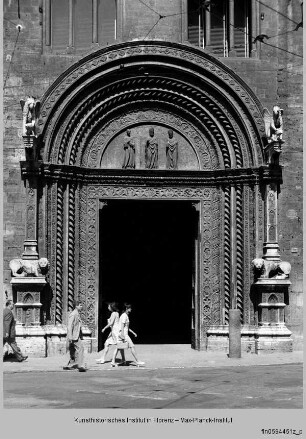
(273, 74)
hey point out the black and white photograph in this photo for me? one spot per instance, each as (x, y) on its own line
(152, 218)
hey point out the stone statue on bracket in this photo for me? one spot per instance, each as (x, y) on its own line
(265, 269)
(171, 151)
(274, 135)
(29, 268)
(30, 111)
(151, 151)
(274, 124)
(129, 151)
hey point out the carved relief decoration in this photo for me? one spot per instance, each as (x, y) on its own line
(95, 150)
(88, 268)
(74, 151)
(227, 251)
(248, 250)
(82, 244)
(216, 113)
(69, 136)
(82, 268)
(239, 244)
(51, 233)
(71, 246)
(59, 253)
(160, 50)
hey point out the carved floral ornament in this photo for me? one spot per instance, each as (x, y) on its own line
(225, 83)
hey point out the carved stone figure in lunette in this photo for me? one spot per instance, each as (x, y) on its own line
(171, 151)
(129, 151)
(29, 268)
(30, 110)
(151, 151)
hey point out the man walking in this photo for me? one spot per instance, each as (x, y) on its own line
(9, 331)
(74, 339)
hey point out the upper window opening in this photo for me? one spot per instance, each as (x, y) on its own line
(223, 27)
(78, 24)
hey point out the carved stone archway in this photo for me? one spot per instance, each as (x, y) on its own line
(170, 85)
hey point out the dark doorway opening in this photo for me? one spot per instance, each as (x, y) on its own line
(147, 259)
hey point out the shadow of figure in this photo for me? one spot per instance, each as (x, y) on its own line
(46, 301)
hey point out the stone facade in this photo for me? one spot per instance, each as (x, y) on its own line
(215, 107)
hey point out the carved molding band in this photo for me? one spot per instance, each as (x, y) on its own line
(215, 249)
(69, 121)
(71, 246)
(59, 255)
(172, 52)
(240, 253)
(227, 252)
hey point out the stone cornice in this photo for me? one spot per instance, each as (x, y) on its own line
(76, 174)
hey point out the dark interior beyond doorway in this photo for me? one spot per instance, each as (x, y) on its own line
(146, 259)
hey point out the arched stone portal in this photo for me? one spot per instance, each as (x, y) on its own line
(220, 171)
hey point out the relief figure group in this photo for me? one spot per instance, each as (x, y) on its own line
(151, 151)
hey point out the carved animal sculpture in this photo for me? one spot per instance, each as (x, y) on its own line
(271, 269)
(25, 268)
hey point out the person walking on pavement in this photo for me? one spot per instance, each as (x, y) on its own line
(9, 330)
(112, 339)
(74, 339)
(124, 337)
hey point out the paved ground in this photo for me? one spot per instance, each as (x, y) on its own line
(162, 356)
(174, 377)
(272, 386)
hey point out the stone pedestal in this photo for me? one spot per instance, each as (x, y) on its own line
(31, 340)
(29, 333)
(26, 295)
(271, 298)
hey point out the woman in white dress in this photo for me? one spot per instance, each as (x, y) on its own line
(112, 339)
(124, 329)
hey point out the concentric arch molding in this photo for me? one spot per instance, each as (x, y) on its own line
(206, 155)
(173, 55)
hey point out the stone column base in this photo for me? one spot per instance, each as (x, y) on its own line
(48, 340)
(273, 339)
(268, 339)
(31, 340)
(218, 338)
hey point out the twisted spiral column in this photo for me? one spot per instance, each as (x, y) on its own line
(71, 245)
(239, 246)
(227, 252)
(59, 254)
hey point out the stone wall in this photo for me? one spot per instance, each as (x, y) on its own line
(275, 75)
